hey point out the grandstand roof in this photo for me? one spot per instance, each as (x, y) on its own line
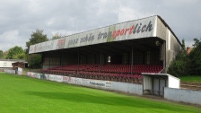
(121, 32)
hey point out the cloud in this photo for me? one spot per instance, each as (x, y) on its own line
(127, 13)
(7, 40)
(19, 18)
(180, 2)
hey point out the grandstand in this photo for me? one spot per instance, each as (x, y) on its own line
(119, 52)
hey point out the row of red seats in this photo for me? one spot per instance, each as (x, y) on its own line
(126, 68)
(105, 70)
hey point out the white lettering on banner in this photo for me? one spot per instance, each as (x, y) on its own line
(123, 31)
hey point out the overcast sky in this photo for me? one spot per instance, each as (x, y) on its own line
(20, 18)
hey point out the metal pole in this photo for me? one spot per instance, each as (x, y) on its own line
(61, 58)
(132, 60)
(78, 60)
(100, 61)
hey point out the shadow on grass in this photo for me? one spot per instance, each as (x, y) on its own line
(105, 100)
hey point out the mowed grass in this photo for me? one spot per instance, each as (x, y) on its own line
(191, 79)
(20, 94)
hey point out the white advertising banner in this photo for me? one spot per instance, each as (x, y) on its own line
(37, 75)
(30, 74)
(66, 79)
(74, 80)
(6, 64)
(100, 84)
(136, 29)
(34, 75)
(9, 71)
(87, 82)
(57, 78)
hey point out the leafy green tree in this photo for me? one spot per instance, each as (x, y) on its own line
(5, 54)
(36, 37)
(183, 45)
(14, 52)
(187, 64)
(20, 56)
(35, 60)
(56, 36)
(197, 41)
(1, 54)
(179, 65)
(195, 58)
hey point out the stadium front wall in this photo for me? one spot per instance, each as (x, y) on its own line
(99, 84)
(183, 95)
(11, 71)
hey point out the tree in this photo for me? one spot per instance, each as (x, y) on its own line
(14, 52)
(187, 64)
(56, 36)
(183, 45)
(5, 54)
(197, 41)
(195, 58)
(20, 56)
(179, 65)
(35, 60)
(36, 37)
(1, 54)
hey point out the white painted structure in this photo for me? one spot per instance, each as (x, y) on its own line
(6, 63)
(183, 95)
(9, 71)
(154, 83)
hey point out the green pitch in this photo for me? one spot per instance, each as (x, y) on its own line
(196, 79)
(27, 95)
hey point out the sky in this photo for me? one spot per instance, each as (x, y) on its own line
(20, 18)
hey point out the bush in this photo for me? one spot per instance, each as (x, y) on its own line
(179, 65)
(187, 64)
(35, 61)
(195, 59)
